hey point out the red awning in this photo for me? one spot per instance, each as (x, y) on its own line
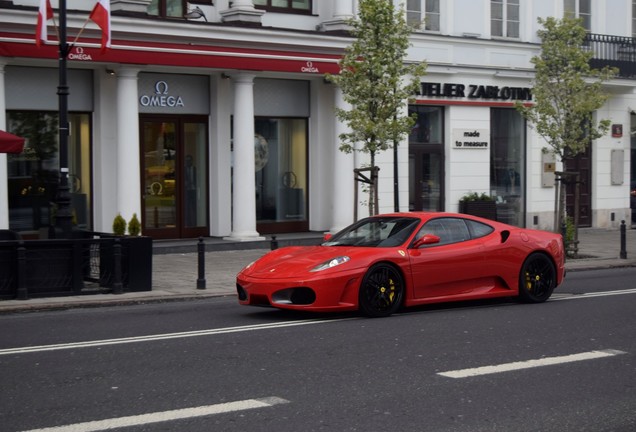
(10, 143)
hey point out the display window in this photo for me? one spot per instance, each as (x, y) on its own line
(34, 174)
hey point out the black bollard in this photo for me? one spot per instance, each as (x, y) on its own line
(201, 255)
(118, 286)
(274, 243)
(623, 254)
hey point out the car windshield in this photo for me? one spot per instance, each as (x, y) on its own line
(375, 232)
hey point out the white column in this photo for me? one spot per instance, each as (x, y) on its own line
(242, 11)
(128, 175)
(243, 175)
(342, 13)
(342, 9)
(220, 157)
(343, 163)
(4, 174)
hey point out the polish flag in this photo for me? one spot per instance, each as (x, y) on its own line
(45, 13)
(101, 16)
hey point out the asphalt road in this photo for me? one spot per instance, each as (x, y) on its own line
(211, 365)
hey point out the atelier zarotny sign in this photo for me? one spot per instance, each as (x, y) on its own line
(473, 91)
(471, 139)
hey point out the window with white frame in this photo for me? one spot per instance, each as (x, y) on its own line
(423, 14)
(579, 9)
(634, 18)
(287, 6)
(504, 18)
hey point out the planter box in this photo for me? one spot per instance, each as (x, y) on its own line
(136, 263)
(484, 209)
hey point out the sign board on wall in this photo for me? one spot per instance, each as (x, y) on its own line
(471, 139)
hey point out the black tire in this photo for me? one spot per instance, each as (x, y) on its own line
(382, 291)
(537, 279)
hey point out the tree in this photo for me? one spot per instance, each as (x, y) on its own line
(376, 82)
(566, 92)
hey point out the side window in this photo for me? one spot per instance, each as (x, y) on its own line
(284, 6)
(504, 18)
(579, 9)
(449, 230)
(478, 229)
(423, 14)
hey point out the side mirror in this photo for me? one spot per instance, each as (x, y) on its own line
(326, 237)
(426, 239)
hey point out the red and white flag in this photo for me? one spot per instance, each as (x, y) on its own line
(45, 13)
(101, 16)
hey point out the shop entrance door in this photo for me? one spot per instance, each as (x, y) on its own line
(174, 176)
(581, 163)
(426, 175)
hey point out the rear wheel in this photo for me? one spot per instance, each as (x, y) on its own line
(381, 291)
(537, 279)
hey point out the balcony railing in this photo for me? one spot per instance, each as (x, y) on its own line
(614, 51)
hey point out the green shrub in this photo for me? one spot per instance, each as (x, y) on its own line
(134, 226)
(474, 196)
(119, 225)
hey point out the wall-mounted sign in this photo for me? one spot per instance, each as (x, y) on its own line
(173, 94)
(309, 67)
(471, 139)
(617, 130)
(474, 91)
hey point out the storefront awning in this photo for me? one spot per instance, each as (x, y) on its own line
(10, 143)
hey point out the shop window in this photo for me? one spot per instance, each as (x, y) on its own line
(33, 175)
(288, 6)
(281, 170)
(504, 18)
(579, 9)
(507, 165)
(423, 14)
(172, 8)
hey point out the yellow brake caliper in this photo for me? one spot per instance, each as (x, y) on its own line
(537, 278)
(392, 288)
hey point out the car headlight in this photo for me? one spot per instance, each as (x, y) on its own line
(331, 263)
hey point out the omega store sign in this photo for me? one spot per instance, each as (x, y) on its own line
(174, 94)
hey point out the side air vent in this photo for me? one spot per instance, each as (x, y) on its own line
(504, 236)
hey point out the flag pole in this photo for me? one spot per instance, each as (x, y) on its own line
(63, 217)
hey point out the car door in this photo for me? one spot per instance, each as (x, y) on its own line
(451, 267)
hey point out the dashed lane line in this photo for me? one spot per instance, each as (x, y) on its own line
(165, 416)
(528, 364)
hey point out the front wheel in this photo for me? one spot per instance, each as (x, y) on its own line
(381, 291)
(537, 279)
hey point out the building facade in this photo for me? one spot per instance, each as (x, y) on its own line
(213, 118)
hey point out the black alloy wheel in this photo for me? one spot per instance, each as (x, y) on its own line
(537, 279)
(382, 291)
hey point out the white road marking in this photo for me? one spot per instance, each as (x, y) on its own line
(564, 296)
(180, 335)
(547, 361)
(164, 416)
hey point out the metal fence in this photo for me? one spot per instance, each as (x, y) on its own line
(98, 263)
(614, 51)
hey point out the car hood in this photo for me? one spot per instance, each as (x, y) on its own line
(299, 260)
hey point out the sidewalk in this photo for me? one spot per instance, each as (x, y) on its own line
(175, 269)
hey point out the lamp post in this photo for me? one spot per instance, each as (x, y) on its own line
(63, 217)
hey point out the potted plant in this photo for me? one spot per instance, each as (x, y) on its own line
(136, 256)
(476, 204)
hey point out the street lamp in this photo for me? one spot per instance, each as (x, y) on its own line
(63, 217)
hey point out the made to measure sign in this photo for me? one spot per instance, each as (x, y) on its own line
(471, 139)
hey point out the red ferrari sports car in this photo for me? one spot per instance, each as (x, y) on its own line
(381, 263)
